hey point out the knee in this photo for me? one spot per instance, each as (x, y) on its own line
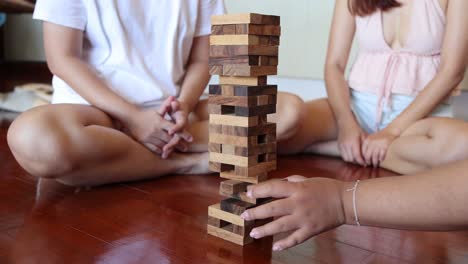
(291, 113)
(40, 146)
(452, 146)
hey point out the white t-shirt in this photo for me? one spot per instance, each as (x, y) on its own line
(139, 47)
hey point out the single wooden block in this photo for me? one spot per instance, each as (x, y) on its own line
(252, 171)
(233, 140)
(262, 30)
(248, 18)
(259, 149)
(229, 236)
(216, 69)
(238, 40)
(224, 30)
(216, 212)
(229, 149)
(232, 120)
(245, 101)
(244, 90)
(228, 51)
(231, 187)
(217, 109)
(231, 175)
(246, 81)
(267, 61)
(248, 71)
(233, 160)
(235, 206)
(219, 167)
(255, 110)
(213, 147)
(246, 59)
(268, 128)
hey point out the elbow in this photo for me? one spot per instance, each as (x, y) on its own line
(332, 69)
(454, 75)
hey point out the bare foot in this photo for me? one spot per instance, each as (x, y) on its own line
(197, 163)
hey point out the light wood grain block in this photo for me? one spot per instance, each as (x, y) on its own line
(216, 212)
(233, 160)
(232, 120)
(229, 236)
(248, 81)
(219, 167)
(233, 140)
(268, 128)
(248, 71)
(247, 18)
(231, 175)
(213, 147)
(232, 187)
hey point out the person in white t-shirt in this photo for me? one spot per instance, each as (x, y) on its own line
(128, 77)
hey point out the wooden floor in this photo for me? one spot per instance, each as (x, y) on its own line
(164, 221)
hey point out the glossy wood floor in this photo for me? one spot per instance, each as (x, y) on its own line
(164, 221)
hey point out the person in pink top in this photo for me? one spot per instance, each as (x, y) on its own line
(394, 110)
(412, 58)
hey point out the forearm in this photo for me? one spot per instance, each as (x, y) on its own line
(195, 82)
(428, 100)
(434, 200)
(86, 83)
(338, 94)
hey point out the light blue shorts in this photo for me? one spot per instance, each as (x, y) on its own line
(364, 106)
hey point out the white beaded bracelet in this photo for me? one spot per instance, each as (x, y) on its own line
(354, 189)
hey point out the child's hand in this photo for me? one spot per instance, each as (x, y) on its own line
(307, 207)
(350, 139)
(179, 115)
(150, 128)
(375, 147)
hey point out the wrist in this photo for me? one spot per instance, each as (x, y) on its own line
(394, 129)
(347, 203)
(186, 105)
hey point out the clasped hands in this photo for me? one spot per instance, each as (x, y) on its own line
(159, 135)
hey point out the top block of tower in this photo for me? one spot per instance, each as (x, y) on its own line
(249, 18)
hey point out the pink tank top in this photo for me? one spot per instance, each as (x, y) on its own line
(381, 70)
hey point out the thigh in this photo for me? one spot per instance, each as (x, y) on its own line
(428, 143)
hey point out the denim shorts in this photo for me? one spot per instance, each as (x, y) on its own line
(364, 106)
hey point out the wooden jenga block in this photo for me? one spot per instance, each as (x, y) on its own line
(268, 128)
(248, 71)
(244, 90)
(231, 187)
(255, 150)
(249, 40)
(219, 167)
(232, 175)
(255, 110)
(251, 29)
(241, 121)
(233, 160)
(235, 206)
(213, 147)
(243, 101)
(229, 235)
(248, 18)
(248, 81)
(233, 140)
(228, 51)
(216, 212)
(244, 60)
(246, 29)
(224, 30)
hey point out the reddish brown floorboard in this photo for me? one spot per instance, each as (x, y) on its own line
(164, 221)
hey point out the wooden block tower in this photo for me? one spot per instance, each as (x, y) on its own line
(243, 51)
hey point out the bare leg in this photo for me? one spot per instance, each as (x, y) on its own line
(78, 145)
(316, 132)
(428, 143)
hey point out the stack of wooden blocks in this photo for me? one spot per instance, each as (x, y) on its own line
(243, 51)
